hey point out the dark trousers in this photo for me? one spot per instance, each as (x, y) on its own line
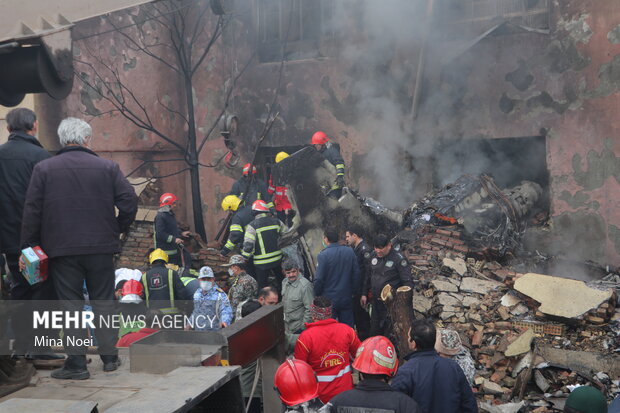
(183, 258)
(30, 298)
(362, 319)
(379, 320)
(343, 312)
(68, 275)
(270, 276)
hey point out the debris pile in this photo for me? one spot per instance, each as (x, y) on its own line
(533, 336)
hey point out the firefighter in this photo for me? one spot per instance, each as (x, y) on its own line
(163, 288)
(284, 209)
(250, 188)
(262, 237)
(387, 266)
(331, 152)
(166, 233)
(377, 362)
(238, 222)
(297, 386)
(328, 346)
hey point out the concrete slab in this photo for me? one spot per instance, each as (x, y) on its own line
(561, 297)
(441, 285)
(475, 285)
(521, 345)
(47, 406)
(458, 265)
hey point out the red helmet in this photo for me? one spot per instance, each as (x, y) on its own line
(132, 287)
(260, 206)
(167, 199)
(246, 169)
(376, 355)
(319, 138)
(296, 382)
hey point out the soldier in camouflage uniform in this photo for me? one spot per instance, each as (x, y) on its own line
(448, 344)
(242, 286)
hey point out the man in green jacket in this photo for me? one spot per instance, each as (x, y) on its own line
(297, 297)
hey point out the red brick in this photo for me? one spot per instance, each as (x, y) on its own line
(461, 248)
(443, 232)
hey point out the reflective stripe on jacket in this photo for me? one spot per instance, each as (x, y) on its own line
(261, 241)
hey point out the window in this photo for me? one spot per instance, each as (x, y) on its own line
(302, 26)
(476, 16)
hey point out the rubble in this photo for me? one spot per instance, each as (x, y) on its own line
(521, 345)
(566, 298)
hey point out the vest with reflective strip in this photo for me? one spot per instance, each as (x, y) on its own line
(328, 378)
(266, 248)
(168, 310)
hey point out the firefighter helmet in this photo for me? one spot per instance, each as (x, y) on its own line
(296, 382)
(319, 138)
(167, 199)
(158, 254)
(230, 202)
(246, 169)
(280, 156)
(260, 206)
(376, 355)
(132, 292)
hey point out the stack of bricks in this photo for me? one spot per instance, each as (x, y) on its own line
(210, 257)
(136, 245)
(433, 243)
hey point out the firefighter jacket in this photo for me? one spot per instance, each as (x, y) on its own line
(250, 193)
(239, 221)
(261, 241)
(328, 347)
(392, 269)
(362, 253)
(371, 394)
(331, 152)
(211, 308)
(280, 196)
(166, 230)
(163, 289)
(242, 288)
(191, 284)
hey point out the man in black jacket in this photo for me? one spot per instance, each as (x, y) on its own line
(167, 234)
(18, 156)
(331, 152)
(362, 250)
(69, 212)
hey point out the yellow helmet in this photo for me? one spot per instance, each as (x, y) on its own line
(280, 156)
(230, 202)
(158, 254)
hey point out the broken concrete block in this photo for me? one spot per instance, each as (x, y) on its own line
(469, 301)
(502, 408)
(422, 304)
(521, 345)
(561, 297)
(475, 285)
(488, 387)
(522, 364)
(448, 300)
(458, 265)
(519, 309)
(503, 312)
(509, 300)
(441, 285)
(541, 381)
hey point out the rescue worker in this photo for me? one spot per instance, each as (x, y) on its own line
(166, 233)
(261, 240)
(284, 209)
(242, 217)
(337, 276)
(297, 298)
(250, 188)
(387, 266)
(242, 286)
(212, 309)
(331, 152)
(377, 362)
(163, 288)
(362, 250)
(297, 387)
(328, 347)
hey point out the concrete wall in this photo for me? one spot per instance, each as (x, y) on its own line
(511, 85)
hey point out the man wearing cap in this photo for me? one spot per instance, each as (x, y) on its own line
(242, 286)
(448, 344)
(163, 289)
(212, 309)
(297, 298)
(328, 346)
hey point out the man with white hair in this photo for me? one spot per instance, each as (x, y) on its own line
(70, 213)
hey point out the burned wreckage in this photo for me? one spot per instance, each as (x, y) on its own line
(533, 335)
